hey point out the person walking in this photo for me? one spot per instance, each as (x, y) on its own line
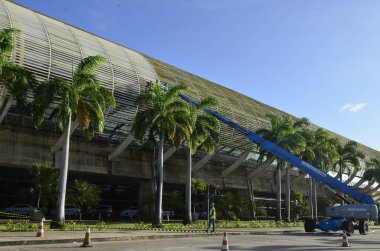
(212, 218)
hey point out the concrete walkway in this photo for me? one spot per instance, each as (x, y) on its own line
(54, 236)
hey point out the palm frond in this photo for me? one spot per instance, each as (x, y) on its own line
(89, 65)
(6, 41)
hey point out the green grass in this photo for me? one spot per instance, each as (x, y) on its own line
(170, 226)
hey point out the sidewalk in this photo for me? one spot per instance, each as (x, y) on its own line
(51, 237)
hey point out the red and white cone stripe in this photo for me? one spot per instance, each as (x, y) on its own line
(345, 240)
(40, 230)
(225, 243)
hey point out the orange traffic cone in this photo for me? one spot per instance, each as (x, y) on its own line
(345, 240)
(87, 239)
(40, 230)
(225, 243)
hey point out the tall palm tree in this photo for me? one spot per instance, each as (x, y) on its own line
(81, 99)
(348, 154)
(325, 154)
(205, 132)
(164, 116)
(298, 146)
(283, 133)
(308, 155)
(15, 82)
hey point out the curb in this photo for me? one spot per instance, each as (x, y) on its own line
(141, 237)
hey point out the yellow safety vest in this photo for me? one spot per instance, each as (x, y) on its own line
(213, 214)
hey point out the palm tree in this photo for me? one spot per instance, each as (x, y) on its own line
(375, 164)
(325, 154)
(81, 99)
(298, 146)
(205, 132)
(14, 80)
(83, 194)
(348, 154)
(283, 133)
(308, 155)
(165, 113)
(372, 172)
(197, 185)
(44, 179)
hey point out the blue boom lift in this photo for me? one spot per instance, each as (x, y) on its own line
(342, 217)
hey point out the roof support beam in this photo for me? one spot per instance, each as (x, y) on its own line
(359, 183)
(202, 162)
(121, 147)
(368, 187)
(264, 165)
(236, 164)
(351, 177)
(169, 153)
(372, 190)
(6, 108)
(61, 139)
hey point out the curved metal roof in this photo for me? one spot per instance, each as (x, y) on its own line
(50, 48)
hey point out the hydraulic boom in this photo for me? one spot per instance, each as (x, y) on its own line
(319, 175)
(341, 216)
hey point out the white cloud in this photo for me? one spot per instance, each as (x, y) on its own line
(353, 108)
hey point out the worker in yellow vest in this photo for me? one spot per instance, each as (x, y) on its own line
(212, 218)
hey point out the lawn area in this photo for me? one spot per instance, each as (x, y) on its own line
(167, 226)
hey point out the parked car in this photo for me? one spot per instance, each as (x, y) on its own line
(24, 209)
(201, 213)
(101, 212)
(167, 213)
(131, 212)
(72, 211)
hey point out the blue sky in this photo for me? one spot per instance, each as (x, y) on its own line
(318, 59)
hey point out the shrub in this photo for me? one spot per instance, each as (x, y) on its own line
(21, 226)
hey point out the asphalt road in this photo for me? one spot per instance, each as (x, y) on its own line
(302, 241)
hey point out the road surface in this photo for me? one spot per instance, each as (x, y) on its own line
(301, 241)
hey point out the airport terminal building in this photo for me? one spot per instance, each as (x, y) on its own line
(114, 159)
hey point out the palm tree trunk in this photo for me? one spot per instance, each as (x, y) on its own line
(311, 204)
(6, 108)
(39, 198)
(188, 218)
(64, 167)
(278, 192)
(157, 221)
(287, 194)
(315, 199)
(3, 95)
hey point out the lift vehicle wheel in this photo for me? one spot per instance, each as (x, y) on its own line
(348, 226)
(309, 225)
(363, 227)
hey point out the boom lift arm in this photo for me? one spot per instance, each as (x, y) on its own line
(319, 175)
